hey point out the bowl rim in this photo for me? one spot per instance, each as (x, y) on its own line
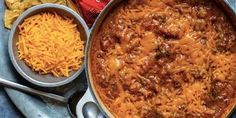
(95, 27)
(12, 33)
(97, 24)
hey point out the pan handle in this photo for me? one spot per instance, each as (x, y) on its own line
(85, 99)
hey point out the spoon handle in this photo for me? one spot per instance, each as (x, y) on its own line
(13, 85)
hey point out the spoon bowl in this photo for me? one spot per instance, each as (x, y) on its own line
(90, 110)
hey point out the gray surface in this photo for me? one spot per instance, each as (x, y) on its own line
(7, 108)
(30, 106)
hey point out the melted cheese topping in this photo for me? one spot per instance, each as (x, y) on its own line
(165, 58)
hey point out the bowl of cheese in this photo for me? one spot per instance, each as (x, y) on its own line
(46, 45)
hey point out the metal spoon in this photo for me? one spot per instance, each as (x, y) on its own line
(90, 110)
(70, 101)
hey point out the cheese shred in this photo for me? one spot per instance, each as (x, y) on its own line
(50, 44)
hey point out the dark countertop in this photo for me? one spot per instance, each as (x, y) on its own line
(7, 108)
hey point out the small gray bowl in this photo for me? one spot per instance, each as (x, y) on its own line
(47, 80)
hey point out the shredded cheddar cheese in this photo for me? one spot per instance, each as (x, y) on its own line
(50, 44)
